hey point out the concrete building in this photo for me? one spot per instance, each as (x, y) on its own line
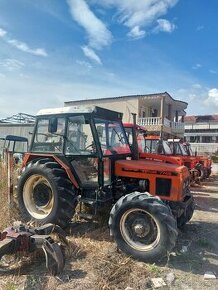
(159, 113)
(202, 132)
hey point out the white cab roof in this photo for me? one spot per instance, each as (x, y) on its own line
(174, 140)
(65, 110)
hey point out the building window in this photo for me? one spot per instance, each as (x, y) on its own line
(195, 139)
(206, 139)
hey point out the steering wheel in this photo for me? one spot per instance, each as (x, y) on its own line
(92, 146)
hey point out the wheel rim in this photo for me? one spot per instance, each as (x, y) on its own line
(38, 196)
(140, 230)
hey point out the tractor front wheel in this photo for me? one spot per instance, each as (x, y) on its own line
(143, 227)
(201, 171)
(187, 214)
(45, 194)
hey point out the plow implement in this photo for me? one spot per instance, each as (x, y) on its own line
(23, 239)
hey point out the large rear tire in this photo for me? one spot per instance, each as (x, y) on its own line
(45, 194)
(143, 227)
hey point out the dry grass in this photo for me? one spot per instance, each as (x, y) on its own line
(8, 213)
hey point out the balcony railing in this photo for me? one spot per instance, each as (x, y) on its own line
(148, 121)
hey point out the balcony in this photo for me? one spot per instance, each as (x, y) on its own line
(155, 123)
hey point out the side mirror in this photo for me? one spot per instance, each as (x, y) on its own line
(53, 125)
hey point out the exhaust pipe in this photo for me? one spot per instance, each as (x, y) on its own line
(135, 149)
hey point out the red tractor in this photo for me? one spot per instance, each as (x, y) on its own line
(204, 160)
(152, 147)
(82, 155)
(200, 163)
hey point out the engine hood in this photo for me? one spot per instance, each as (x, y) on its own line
(149, 167)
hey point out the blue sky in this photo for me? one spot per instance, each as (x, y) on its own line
(53, 51)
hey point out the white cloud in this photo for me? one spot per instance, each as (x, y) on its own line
(98, 34)
(212, 99)
(84, 64)
(141, 14)
(25, 48)
(197, 86)
(138, 16)
(22, 45)
(136, 33)
(2, 32)
(90, 53)
(200, 27)
(197, 66)
(212, 71)
(165, 26)
(11, 64)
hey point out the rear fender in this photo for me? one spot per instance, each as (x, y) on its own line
(30, 157)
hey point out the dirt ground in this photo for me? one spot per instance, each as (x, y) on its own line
(93, 262)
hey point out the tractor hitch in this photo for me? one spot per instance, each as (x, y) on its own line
(23, 238)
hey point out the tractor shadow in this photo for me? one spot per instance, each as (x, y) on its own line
(90, 229)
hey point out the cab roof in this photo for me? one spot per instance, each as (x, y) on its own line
(77, 110)
(14, 138)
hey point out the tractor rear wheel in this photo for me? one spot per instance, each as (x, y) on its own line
(187, 215)
(143, 226)
(45, 194)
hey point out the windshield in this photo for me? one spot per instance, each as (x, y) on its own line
(79, 139)
(188, 149)
(44, 141)
(140, 138)
(112, 137)
(74, 134)
(167, 148)
(157, 146)
(178, 148)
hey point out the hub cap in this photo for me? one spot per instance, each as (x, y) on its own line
(38, 196)
(139, 229)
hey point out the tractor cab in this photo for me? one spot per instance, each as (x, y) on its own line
(88, 140)
(147, 143)
(205, 161)
(188, 149)
(16, 145)
(177, 147)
